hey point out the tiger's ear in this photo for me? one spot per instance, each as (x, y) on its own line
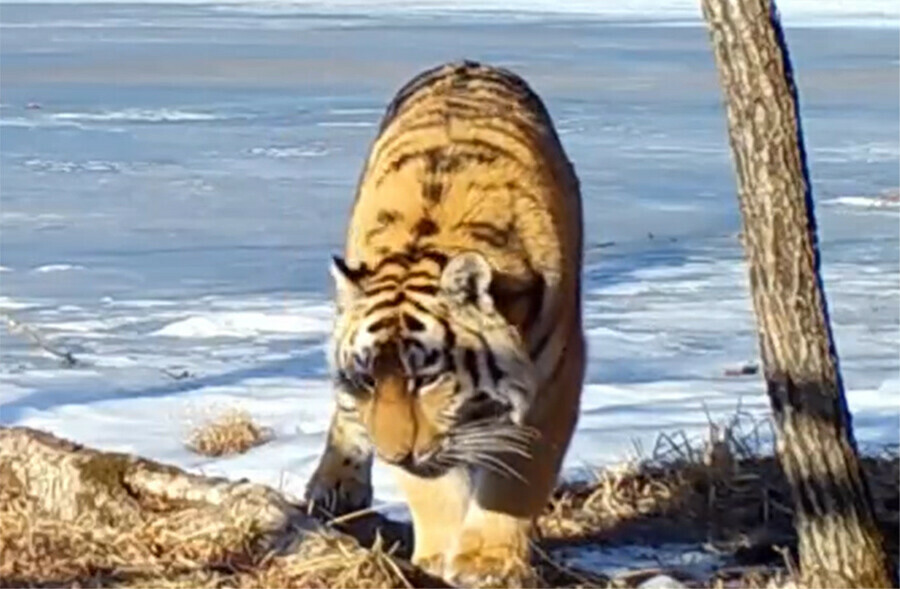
(466, 279)
(346, 280)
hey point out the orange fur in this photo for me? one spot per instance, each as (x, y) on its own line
(468, 202)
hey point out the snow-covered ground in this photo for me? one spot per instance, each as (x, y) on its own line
(174, 178)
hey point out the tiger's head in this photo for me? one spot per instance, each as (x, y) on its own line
(433, 371)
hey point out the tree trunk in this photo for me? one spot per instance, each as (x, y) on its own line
(839, 541)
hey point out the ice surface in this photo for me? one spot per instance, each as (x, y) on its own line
(172, 190)
(880, 13)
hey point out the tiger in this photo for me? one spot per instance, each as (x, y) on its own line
(457, 350)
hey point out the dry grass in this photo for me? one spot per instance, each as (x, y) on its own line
(719, 493)
(233, 432)
(42, 551)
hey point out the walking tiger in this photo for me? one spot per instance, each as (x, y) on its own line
(458, 353)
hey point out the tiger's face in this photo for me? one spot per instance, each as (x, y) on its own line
(431, 369)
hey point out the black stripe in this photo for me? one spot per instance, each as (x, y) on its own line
(353, 275)
(425, 227)
(419, 274)
(435, 74)
(488, 95)
(491, 360)
(395, 166)
(380, 288)
(387, 151)
(465, 107)
(471, 364)
(449, 334)
(412, 323)
(435, 256)
(449, 162)
(464, 77)
(493, 368)
(400, 259)
(420, 82)
(428, 289)
(432, 192)
(383, 323)
(418, 306)
(399, 152)
(399, 298)
(488, 146)
(502, 88)
(486, 232)
(526, 137)
(449, 344)
(395, 152)
(536, 305)
(387, 279)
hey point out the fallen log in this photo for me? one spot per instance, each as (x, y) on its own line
(75, 516)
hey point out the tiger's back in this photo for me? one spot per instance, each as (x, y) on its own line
(463, 257)
(460, 146)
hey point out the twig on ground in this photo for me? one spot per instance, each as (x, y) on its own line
(18, 328)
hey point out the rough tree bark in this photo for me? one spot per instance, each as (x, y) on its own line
(839, 541)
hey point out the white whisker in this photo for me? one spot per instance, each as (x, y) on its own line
(487, 461)
(496, 449)
(495, 464)
(500, 437)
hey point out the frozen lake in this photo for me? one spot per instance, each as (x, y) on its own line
(175, 177)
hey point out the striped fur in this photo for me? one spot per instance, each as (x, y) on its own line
(457, 350)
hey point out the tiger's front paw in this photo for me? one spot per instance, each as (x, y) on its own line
(340, 486)
(496, 568)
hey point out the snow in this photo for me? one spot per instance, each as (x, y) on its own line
(289, 152)
(169, 211)
(47, 268)
(866, 202)
(247, 324)
(135, 115)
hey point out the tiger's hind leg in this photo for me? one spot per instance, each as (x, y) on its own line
(342, 483)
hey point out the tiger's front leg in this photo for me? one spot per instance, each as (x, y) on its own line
(342, 483)
(492, 550)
